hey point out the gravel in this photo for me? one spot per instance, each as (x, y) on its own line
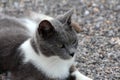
(98, 54)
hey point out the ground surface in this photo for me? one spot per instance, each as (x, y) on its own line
(99, 42)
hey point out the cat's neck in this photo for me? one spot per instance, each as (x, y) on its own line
(52, 67)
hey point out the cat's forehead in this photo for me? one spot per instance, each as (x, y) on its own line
(63, 34)
(56, 24)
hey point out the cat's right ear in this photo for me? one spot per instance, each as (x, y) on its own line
(66, 18)
(46, 29)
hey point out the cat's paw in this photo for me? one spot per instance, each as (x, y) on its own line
(79, 76)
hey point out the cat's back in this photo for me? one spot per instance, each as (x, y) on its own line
(12, 34)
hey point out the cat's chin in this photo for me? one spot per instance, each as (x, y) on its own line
(66, 58)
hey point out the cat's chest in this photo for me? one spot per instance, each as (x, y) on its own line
(52, 67)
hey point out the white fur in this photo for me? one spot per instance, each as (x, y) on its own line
(38, 16)
(79, 76)
(30, 25)
(53, 67)
(41, 17)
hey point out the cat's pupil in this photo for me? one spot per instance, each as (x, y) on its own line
(73, 42)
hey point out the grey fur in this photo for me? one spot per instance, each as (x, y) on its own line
(12, 34)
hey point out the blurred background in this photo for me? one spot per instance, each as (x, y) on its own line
(98, 54)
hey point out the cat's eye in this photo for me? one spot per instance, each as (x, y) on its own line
(74, 41)
(61, 45)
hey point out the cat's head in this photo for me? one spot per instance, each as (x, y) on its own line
(56, 37)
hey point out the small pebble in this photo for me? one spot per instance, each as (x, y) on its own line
(86, 13)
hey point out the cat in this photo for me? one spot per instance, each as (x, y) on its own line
(43, 50)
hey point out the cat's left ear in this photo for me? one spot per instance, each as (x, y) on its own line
(46, 29)
(66, 18)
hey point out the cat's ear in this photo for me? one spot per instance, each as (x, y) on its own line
(66, 18)
(46, 29)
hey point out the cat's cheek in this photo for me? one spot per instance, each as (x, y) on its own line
(78, 76)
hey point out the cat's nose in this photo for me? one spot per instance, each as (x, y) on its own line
(72, 54)
(72, 51)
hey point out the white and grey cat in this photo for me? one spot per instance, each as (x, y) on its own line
(42, 50)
